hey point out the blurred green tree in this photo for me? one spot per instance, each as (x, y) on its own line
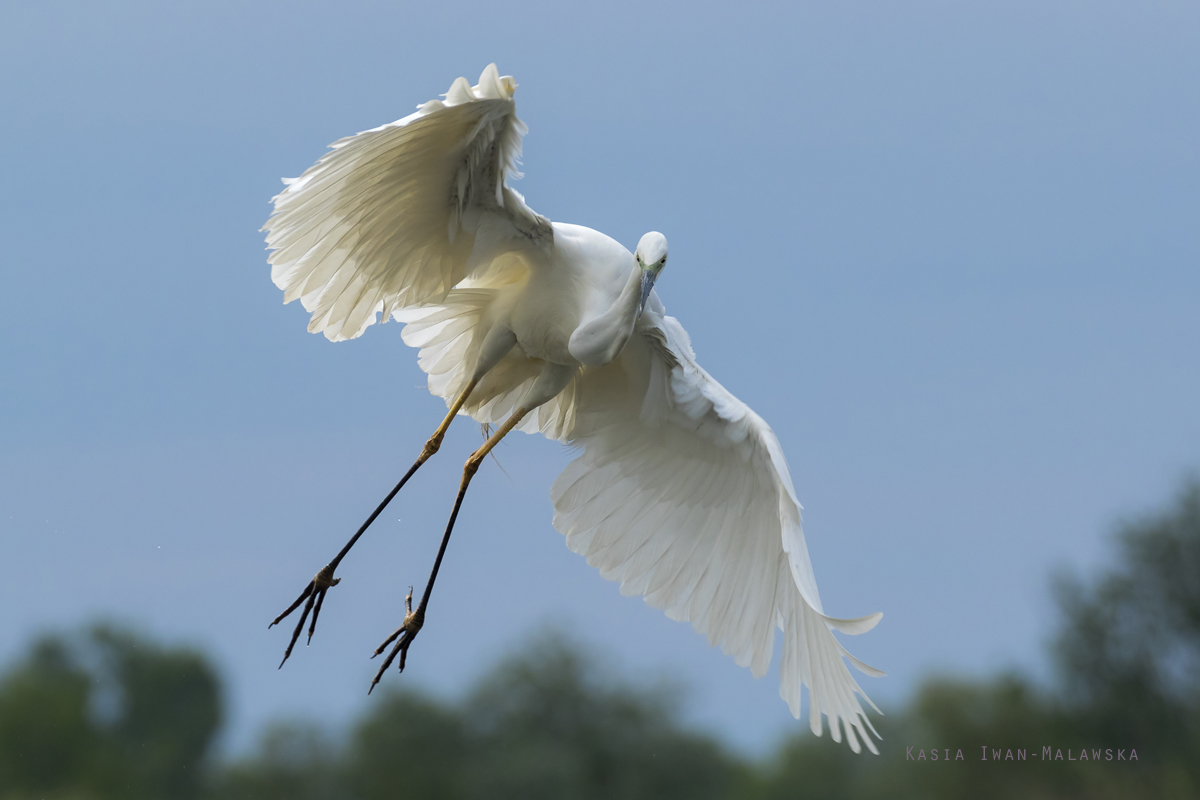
(409, 745)
(293, 761)
(107, 714)
(168, 711)
(1128, 650)
(545, 724)
(49, 744)
(542, 724)
(1129, 647)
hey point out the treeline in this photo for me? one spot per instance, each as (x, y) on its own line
(106, 714)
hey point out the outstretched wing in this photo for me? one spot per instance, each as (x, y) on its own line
(682, 494)
(391, 217)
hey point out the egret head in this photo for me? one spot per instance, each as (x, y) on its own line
(651, 255)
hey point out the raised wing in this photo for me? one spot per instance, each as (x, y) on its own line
(682, 494)
(391, 217)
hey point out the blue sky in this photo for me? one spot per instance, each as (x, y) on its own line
(949, 251)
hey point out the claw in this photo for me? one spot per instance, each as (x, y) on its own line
(408, 630)
(405, 636)
(316, 613)
(307, 591)
(314, 593)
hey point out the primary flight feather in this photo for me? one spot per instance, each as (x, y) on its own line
(681, 492)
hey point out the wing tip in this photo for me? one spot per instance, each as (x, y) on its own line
(856, 626)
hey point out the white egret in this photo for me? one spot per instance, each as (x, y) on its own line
(681, 492)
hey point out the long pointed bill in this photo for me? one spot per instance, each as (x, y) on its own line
(648, 279)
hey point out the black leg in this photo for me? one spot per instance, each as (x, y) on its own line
(321, 583)
(414, 620)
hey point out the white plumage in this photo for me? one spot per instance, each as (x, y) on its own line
(681, 492)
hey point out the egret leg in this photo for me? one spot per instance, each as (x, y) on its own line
(413, 620)
(314, 593)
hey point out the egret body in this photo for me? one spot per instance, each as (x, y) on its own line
(681, 492)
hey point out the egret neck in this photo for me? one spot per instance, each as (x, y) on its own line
(602, 339)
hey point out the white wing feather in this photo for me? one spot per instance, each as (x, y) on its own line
(682, 494)
(390, 217)
(449, 336)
